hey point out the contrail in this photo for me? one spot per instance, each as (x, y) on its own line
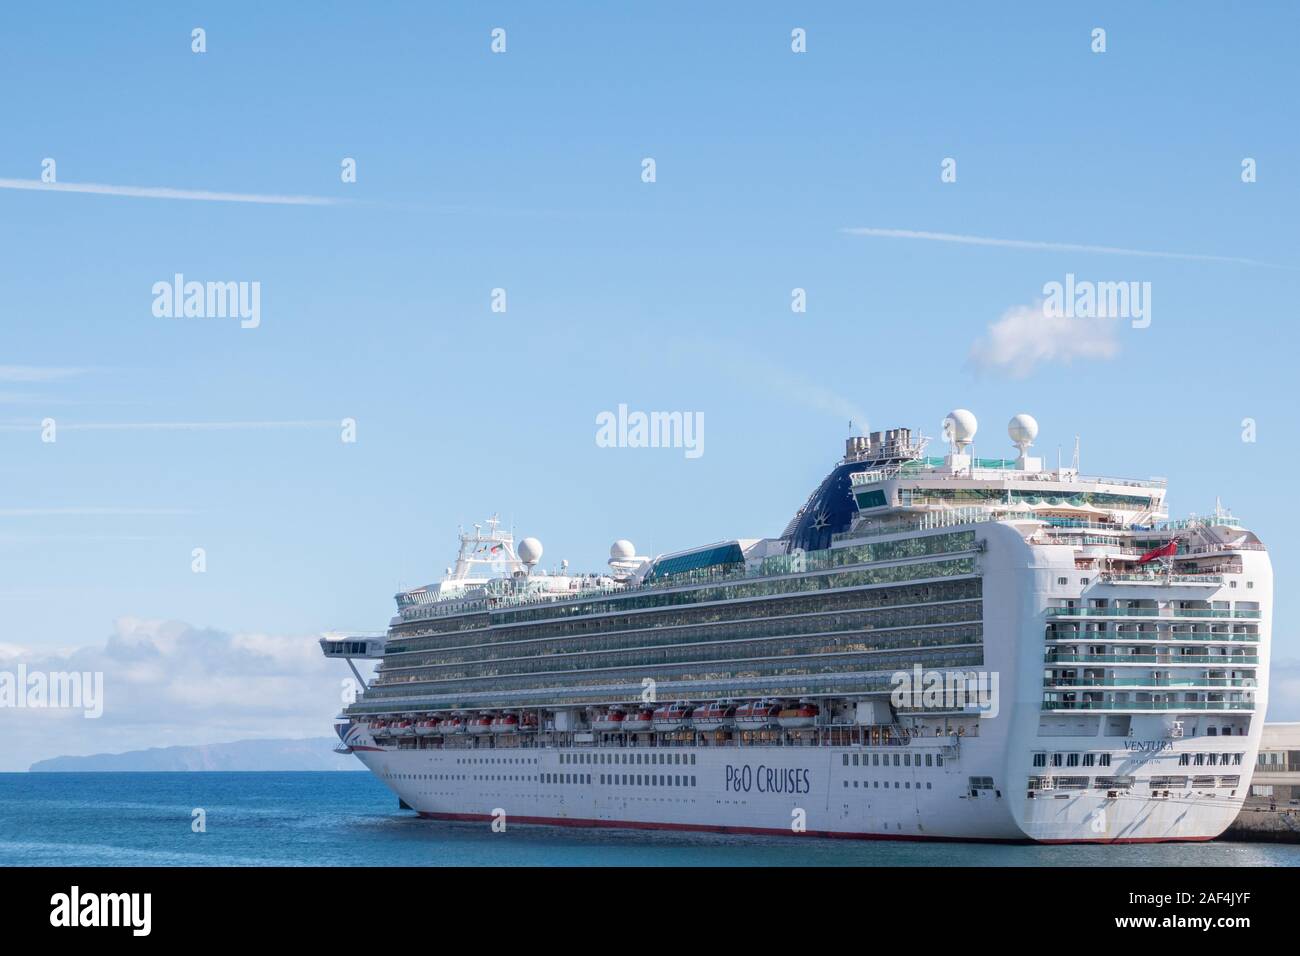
(1056, 246)
(90, 512)
(173, 426)
(166, 192)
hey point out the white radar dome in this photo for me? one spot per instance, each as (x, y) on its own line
(1023, 429)
(621, 550)
(530, 551)
(960, 426)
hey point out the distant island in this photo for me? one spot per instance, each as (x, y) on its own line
(311, 753)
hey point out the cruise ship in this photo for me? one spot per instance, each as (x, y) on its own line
(935, 647)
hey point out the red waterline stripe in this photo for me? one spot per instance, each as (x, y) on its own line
(777, 831)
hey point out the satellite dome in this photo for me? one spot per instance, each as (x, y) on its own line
(1023, 429)
(960, 426)
(621, 550)
(530, 551)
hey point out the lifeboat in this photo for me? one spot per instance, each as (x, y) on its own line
(401, 728)
(804, 714)
(481, 724)
(638, 720)
(671, 717)
(528, 723)
(505, 724)
(757, 714)
(426, 728)
(451, 725)
(608, 721)
(715, 716)
(378, 728)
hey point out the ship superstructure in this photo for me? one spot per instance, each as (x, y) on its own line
(935, 647)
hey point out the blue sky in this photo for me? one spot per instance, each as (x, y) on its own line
(523, 171)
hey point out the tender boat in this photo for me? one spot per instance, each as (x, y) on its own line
(452, 725)
(715, 716)
(402, 728)
(639, 720)
(757, 714)
(804, 714)
(426, 728)
(608, 721)
(481, 724)
(505, 724)
(672, 717)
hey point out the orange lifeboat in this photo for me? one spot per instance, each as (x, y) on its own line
(452, 725)
(639, 720)
(802, 715)
(715, 716)
(505, 724)
(757, 714)
(608, 721)
(673, 717)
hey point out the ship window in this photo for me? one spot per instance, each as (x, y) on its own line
(875, 760)
(938, 760)
(929, 760)
(1062, 580)
(896, 761)
(1072, 760)
(692, 776)
(1040, 760)
(846, 760)
(1057, 759)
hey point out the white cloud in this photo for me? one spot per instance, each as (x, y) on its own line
(169, 683)
(1025, 337)
(166, 192)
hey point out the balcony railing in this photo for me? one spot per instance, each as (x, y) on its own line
(1148, 705)
(1168, 660)
(1163, 682)
(1139, 637)
(1150, 612)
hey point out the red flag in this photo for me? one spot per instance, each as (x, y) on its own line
(1164, 551)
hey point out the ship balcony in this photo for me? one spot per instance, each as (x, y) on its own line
(1154, 683)
(1153, 660)
(1160, 612)
(1154, 704)
(1133, 636)
(1161, 580)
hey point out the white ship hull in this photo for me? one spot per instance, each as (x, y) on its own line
(779, 791)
